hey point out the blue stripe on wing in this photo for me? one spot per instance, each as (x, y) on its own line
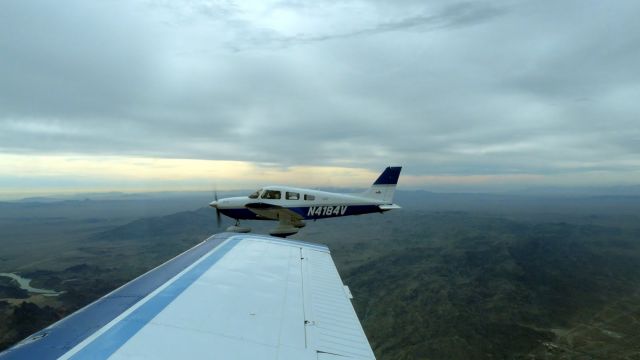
(62, 336)
(111, 340)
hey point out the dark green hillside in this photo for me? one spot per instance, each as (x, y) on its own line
(427, 284)
(492, 289)
(9, 289)
(23, 320)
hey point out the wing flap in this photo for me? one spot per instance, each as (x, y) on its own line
(332, 321)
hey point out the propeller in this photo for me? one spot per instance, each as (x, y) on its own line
(214, 204)
(215, 196)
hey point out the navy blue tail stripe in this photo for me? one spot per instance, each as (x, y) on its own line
(389, 176)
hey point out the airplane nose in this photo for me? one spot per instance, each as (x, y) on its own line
(213, 204)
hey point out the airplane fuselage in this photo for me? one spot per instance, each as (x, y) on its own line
(290, 206)
(309, 204)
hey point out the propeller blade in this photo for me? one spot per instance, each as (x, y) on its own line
(215, 204)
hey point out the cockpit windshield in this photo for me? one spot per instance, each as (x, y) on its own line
(255, 194)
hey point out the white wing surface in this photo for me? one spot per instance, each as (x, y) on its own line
(234, 296)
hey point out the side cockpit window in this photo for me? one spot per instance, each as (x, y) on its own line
(255, 194)
(271, 194)
(309, 197)
(293, 195)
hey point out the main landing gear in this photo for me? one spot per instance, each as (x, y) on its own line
(238, 229)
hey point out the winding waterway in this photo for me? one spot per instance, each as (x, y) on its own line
(25, 284)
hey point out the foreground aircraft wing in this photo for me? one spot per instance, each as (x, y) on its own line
(233, 296)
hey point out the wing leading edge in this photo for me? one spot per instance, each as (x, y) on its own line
(234, 296)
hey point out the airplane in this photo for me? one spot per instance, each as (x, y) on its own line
(290, 206)
(232, 296)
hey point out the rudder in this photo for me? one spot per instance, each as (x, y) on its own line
(385, 186)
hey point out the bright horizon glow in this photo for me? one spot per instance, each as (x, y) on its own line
(41, 175)
(67, 174)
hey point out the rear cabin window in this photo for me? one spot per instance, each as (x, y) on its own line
(293, 196)
(271, 194)
(309, 197)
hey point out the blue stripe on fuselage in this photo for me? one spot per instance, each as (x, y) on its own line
(329, 211)
(240, 213)
(321, 212)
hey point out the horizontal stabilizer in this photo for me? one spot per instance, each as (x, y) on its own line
(389, 207)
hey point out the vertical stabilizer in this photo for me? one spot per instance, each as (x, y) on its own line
(384, 187)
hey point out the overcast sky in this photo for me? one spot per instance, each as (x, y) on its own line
(120, 95)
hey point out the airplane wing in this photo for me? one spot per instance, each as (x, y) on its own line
(274, 212)
(233, 296)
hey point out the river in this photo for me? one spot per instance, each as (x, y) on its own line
(26, 285)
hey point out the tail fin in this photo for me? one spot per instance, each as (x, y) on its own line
(385, 186)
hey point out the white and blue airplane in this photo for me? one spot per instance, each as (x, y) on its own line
(232, 296)
(291, 206)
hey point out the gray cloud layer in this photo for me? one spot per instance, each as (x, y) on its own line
(501, 87)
